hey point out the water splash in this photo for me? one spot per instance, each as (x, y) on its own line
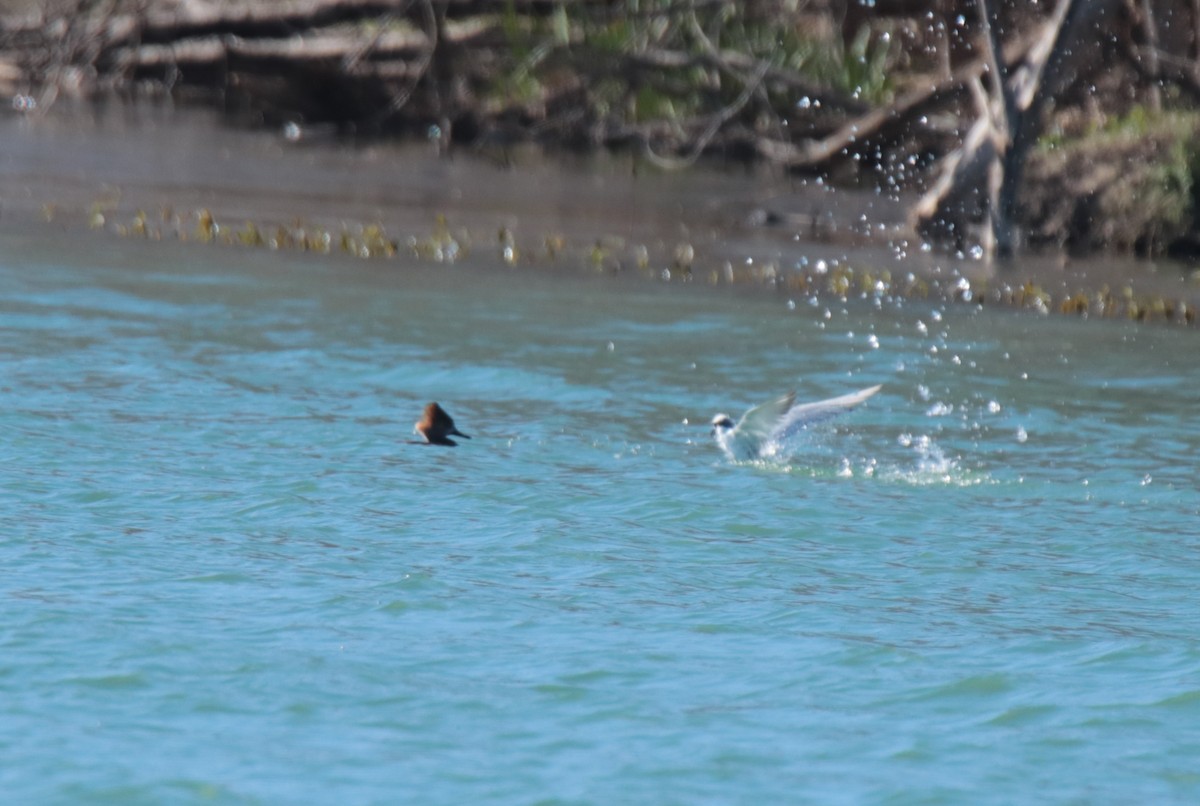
(825, 455)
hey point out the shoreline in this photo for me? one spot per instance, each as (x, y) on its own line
(1012, 125)
(138, 172)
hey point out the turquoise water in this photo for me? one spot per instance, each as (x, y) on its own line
(228, 577)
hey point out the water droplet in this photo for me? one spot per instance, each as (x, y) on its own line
(1022, 435)
(963, 286)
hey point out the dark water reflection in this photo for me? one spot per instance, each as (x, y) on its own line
(603, 210)
(123, 159)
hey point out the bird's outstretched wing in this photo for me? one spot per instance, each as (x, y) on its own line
(796, 418)
(761, 421)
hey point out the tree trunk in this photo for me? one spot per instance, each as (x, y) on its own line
(1009, 125)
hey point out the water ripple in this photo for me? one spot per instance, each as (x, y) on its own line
(216, 526)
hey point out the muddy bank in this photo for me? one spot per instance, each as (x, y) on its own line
(1000, 114)
(153, 172)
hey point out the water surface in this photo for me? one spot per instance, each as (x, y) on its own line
(230, 578)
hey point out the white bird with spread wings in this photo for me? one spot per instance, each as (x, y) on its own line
(763, 429)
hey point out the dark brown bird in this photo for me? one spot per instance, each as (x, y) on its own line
(437, 427)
